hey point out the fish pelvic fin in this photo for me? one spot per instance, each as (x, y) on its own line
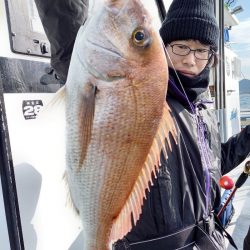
(132, 209)
(86, 115)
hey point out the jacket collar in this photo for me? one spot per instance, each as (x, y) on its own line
(192, 89)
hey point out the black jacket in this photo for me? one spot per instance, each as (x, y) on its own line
(177, 199)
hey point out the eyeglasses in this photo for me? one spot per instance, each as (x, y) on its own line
(184, 50)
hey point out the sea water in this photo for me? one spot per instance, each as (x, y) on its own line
(245, 109)
(245, 101)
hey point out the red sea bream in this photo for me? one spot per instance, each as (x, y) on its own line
(117, 119)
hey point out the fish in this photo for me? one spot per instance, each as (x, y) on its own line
(117, 119)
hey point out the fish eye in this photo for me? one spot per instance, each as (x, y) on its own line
(140, 37)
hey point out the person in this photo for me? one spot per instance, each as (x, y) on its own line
(179, 211)
(61, 20)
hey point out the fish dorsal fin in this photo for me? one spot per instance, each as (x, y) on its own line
(57, 103)
(59, 97)
(86, 116)
(133, 206)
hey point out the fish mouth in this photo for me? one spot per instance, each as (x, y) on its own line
(108, 75)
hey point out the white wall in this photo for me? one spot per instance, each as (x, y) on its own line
(232, 95)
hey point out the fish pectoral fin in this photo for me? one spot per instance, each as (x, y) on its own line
(86, 116)
(133, 206)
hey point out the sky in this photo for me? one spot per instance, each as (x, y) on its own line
(240, 37)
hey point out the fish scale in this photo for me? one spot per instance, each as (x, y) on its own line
(117, 119)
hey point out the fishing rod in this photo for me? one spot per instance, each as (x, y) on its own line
(240, 181)
(226, 183)
(161, 9)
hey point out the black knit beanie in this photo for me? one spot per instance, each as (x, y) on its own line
(191, 19)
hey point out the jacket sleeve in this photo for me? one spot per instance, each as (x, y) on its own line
(235, 150)
(61, 20)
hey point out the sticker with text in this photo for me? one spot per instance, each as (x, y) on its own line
(31, 108)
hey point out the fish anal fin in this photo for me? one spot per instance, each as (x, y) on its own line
(123, 223)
